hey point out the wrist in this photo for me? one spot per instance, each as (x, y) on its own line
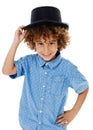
(15, 43)
(75, 110)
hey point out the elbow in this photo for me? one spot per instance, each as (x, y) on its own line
(8, 71)
(4, 71)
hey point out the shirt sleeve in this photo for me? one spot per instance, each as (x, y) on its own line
(78, 81)
(20, 68)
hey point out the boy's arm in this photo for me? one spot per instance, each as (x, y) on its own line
(80, 100)
(9, 67)
(69, 115)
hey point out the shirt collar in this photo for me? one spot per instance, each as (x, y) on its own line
(52, 63)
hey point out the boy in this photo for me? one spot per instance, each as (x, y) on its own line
(47, 75)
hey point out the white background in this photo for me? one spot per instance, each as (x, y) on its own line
(80, 18)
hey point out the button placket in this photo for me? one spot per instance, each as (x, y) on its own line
(42, 97)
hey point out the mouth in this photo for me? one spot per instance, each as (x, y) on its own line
(46, 55)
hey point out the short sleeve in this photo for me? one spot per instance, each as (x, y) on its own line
(78, 81)
(20, 68)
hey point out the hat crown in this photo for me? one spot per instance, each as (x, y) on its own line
(46, 13)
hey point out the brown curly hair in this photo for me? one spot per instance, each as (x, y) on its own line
(58, 32)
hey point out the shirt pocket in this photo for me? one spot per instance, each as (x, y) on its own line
(56, 85)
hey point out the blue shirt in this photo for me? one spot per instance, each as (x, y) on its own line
(45, 90)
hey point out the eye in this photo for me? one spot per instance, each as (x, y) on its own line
(40, 43)
(52, 42)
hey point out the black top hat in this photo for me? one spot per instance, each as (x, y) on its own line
(46, 15)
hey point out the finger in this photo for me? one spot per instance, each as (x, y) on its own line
(60, 116)
(65, 124)
(60, 121)
(20, 28)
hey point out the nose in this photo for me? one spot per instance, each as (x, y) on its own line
(46, 48)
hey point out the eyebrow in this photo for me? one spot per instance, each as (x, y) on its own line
(54, 40)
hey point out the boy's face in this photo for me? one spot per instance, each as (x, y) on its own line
(46, 47)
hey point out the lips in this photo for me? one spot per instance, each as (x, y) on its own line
(48, 55)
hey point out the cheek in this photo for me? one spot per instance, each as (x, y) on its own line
(54, 48)
(39, 49)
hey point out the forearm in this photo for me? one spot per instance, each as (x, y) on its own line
(69, 115)
(79, 102)
(8, 67)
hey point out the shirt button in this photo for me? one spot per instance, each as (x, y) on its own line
(42, 98)
(45, 72)
(40, 111)
(44, 86)
(46, 64)
(39, 123)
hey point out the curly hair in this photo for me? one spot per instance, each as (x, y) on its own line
(58, 32)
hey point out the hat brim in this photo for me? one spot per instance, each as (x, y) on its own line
(63, 25)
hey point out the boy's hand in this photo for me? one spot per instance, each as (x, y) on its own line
(66, 118)
(69, 115)
(19, 35)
